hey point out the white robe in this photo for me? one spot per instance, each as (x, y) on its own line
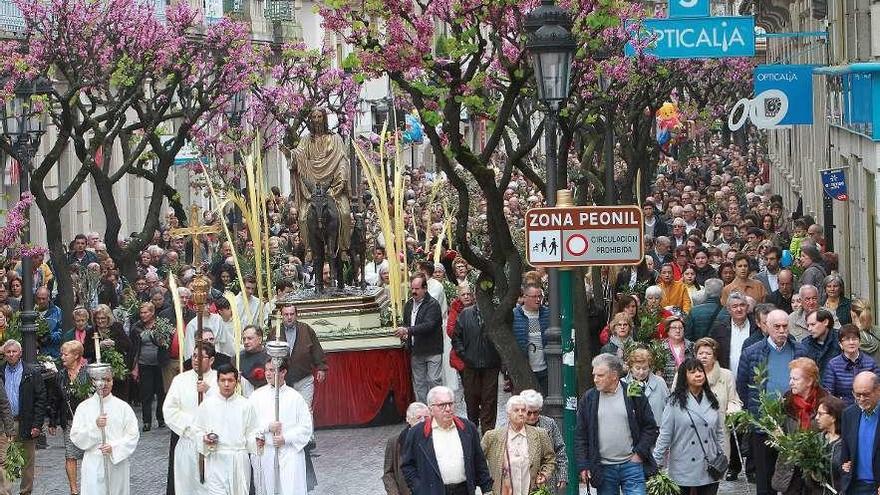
(250, 312)
(296, 421)
(227, 469)
(212, 321)
(122, 434)
(224, 337)
(179, 409)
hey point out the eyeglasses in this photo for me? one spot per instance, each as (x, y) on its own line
(443, 405)
(859, 395)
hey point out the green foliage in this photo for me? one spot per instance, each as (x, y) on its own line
(738, 421)
(542, 490)
(806, 449)
(13, 330)
(14, 461)
(662, 484)
(81, 390)
(431, 118)
(116, 361)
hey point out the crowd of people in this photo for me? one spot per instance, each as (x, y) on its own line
(736, 302)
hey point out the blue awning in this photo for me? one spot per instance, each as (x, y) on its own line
(837, 70)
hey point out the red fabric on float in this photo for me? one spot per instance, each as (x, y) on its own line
(357, 384)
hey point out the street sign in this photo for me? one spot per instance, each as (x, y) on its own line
(834, 183)
(584, 236)
(689, 8)
(796, 83)
(700, 37)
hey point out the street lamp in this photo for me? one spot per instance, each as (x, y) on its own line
(23, 127)
(551, 47)
(234, 112)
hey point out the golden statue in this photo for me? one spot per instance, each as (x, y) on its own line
(321, 158)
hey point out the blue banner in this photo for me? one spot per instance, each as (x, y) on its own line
(796, 82)
(689, 8)
(707, 37)
(834, 183)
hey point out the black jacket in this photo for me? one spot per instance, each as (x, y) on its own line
(426, 333)
(31, 400)
(642, 427)
(721, 333)
(419, 461)
(62, 399)
(849, 431)
(777, 299)
(471, 343)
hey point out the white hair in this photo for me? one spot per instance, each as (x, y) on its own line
(13, 343)
(413, 411)
(534, 399)
(438, 390)
(807, 287)
(516, 400)
(654, 291)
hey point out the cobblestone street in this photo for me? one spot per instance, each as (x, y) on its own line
(350, 463)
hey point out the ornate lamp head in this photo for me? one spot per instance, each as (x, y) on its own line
(200, 287)
(100, 374)
(278, 351)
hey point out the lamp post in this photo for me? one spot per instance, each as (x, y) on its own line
(551, 47)
(23, 127)
(234, 112)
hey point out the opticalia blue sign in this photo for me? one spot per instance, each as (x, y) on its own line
(689, 8)
(704, 37)
(796, 83)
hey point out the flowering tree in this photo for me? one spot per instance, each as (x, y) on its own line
(300, 79)
(121, 76)
(452, 58)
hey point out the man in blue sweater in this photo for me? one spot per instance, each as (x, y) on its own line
(774, 353)
(530, 322)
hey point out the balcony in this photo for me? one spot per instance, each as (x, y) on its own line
(11, 20)
(853, 98)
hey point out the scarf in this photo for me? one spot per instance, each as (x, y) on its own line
(804, 408)
(870, 341)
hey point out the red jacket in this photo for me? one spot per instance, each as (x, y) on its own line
(451, 317)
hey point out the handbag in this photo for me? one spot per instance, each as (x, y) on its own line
(717, 465)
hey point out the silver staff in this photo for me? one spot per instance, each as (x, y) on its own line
(278, 351)
(101, 373)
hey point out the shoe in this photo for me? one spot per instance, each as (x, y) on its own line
(731, 476)
(161, 424)
(147, 428)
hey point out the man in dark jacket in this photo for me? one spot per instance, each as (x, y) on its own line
(781, 297)
(26, 391)
(617, 456)
(823, 342)
(773, 354)
(392, 474)
(861, 437)
(422, 331)
(732, 329)
(481, 366)
(703, 316)
(442, 434)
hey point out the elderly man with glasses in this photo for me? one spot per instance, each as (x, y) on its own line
(442, 455)
(861, 437)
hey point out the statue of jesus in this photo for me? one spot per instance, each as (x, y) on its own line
(321, 157)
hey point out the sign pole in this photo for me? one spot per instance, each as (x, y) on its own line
(569, 374)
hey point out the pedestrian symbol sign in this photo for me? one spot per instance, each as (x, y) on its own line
(583, 236)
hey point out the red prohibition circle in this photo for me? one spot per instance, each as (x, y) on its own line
(577, 237)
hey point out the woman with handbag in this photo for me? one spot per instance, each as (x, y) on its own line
(800, 404)
(691, 441)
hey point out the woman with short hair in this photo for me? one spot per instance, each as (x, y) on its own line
(679, 347)
(642, 374)
(621, 335)
(534, 407)
(71, 386)
(841, 370)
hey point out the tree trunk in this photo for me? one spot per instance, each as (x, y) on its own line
(58, 253)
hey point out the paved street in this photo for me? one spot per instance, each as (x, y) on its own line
(350, 463)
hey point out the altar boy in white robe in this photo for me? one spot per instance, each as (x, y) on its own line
(181, 403)
(121, 427)
(230, 426)
(290, 435)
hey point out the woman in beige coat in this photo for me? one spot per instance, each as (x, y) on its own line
(520, 456)
(721, 381)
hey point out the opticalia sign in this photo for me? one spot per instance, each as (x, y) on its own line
(701, 37)
(584, 235)
(796, 83)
